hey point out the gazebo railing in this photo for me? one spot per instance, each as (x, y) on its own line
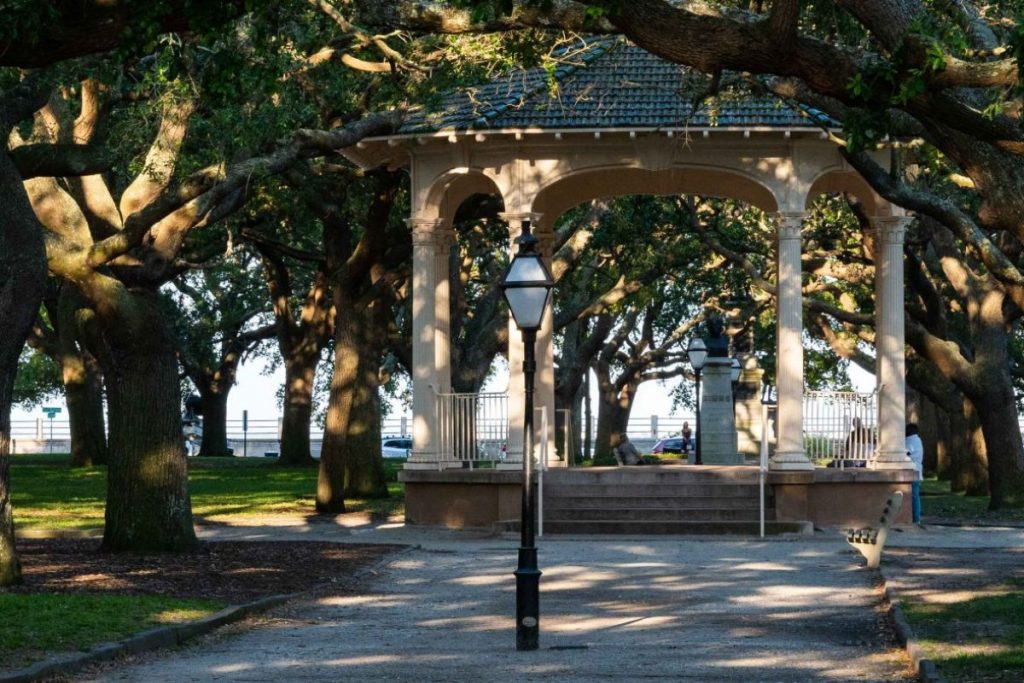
(840, 427)
(472, 427)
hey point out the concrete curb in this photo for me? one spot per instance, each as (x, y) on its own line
(927, 672)
(155, 638)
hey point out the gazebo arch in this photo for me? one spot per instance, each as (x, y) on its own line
(623, 122)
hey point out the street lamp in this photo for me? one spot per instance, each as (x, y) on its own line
(697, 352)
(527, 287)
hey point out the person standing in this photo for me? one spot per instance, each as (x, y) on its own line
(915, 449)
(687, 439)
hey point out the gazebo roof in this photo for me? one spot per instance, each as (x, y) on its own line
(610, 83)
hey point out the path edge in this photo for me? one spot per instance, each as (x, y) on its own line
(927, 672)
(169, 636)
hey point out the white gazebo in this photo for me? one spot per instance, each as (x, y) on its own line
(614, 120)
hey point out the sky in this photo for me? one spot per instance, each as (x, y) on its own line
(257, 393)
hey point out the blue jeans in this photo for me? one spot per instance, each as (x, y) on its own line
(915, 494)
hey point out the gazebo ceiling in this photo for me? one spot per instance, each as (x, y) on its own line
(611, 84)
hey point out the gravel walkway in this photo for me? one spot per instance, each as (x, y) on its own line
(611, 609)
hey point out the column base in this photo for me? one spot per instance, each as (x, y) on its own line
(891, 461)
(790, 462)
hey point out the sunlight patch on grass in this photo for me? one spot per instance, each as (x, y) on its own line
(58, 497)
(974, 637)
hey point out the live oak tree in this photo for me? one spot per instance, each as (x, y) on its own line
(220, 317)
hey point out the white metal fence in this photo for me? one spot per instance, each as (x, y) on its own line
(840, 426)
(472, 428)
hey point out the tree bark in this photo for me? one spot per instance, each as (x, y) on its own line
(299, 375)
(148, 505)
(970, 473)
(350, 460)
(22, 285)
(612, 419)
(215, 420)
(83, 390)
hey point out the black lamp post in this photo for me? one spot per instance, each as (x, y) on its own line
(527, 286)
(697, 351)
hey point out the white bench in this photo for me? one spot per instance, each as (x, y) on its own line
(869, 541)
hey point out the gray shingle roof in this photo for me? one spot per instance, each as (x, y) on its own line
(610, 84)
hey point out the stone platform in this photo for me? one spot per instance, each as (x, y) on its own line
(654, 499)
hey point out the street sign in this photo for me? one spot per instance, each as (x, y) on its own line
(51, 411)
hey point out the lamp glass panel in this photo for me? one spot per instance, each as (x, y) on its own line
(734, 370)
(698, 353)
(527, 305)
(526, 269)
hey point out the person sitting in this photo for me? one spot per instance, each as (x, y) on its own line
(626, 453)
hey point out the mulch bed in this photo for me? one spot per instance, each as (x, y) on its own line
(230, 571)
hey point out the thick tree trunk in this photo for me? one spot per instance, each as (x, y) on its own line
(943, 444)
(215, 420)
(612, 419)
(971, 463)
(997, 417)
(299, 375)
(350, 460)
(83, 389)
(22, 284)
(148, 506)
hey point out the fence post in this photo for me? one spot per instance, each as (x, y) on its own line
(39, 429)
(405, 425)
(654, 426)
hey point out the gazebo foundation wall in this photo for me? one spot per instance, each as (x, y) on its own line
(834, 497)
(461, 499)
(472, 499)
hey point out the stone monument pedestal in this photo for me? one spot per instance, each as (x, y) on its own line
(749, 423)
(717, 422)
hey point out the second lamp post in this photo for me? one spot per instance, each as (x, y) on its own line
(527, 286)
(697, 351)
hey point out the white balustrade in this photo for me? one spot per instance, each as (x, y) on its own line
(472, 428)
(840, 427)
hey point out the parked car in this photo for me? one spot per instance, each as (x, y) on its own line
(672, 445)
(396, 447)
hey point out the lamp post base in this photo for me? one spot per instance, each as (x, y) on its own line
(527, 600)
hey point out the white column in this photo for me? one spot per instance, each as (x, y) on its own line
(789, 366)
(424, 367)
(444, 239)
(544, 396)
(890, 370)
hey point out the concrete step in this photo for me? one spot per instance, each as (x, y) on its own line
(603, 514)
(655, 502)
(678, 490)
(652, 474)
(648, 528)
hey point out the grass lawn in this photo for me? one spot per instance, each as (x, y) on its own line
(938, 502)
(35, 625)
(47, 493)
(977, 639)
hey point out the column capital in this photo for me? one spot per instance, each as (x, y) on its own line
(789, 223)
(545, 242)
(515, 219)
(444, 238)
(892, 229)
(424, 230)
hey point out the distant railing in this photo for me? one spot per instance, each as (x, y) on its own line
(472, 427)
(840, 427)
